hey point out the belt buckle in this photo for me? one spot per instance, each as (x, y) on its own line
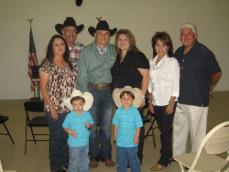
(101, 86)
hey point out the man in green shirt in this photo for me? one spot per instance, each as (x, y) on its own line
(94, 75)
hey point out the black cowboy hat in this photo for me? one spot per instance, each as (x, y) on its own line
(69, 21)
(102, 25)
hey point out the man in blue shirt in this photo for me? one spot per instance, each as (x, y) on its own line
(199, 73)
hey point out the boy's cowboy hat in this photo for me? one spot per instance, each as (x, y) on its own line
(87, 97)
(102, 25)
(69, 21)
(136, 91)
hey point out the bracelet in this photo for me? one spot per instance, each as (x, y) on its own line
(172, 104)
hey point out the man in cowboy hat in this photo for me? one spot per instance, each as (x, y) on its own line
(69, 30)
(94, 76)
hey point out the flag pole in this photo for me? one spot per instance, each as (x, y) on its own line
(35, 81)
(30, 22)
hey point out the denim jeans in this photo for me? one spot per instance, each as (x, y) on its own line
(165, 122)
(127, 156)
(100, 136)
(58, 149)
(78, 161)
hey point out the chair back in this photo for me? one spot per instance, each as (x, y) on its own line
(215, 142)
(34, 106)
(218, 141)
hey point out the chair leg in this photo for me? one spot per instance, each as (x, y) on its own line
(8, 132)
(227, 159)
(182, 167)
(25, 147)
(33, 135)
(153, 134)
(152, 131)
(150, 128)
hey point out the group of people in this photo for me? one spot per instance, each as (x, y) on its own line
(179, 85)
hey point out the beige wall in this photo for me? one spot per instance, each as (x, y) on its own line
(143, 17)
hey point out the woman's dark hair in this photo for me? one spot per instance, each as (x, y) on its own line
(50, 53)
(131, 38)
(165, 39)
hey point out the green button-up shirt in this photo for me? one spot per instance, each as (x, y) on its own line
(93, 67)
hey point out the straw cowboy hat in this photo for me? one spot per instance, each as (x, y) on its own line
(69, 21)
(102, 25)
(136, 91)
(87, 97)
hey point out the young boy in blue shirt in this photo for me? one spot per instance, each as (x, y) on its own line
(77, 124)
(127, 121)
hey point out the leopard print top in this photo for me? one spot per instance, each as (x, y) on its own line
(61, 83)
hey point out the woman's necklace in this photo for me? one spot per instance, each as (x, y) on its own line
(122, 57)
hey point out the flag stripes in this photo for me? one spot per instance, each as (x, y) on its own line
(32, 61)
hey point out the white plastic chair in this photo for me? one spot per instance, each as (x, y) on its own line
(1, 168)
(206, 158)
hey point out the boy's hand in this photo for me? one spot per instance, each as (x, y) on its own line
(136, 140)
(72, 133)
(88, 125)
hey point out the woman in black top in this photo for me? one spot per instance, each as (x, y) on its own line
(130, 68)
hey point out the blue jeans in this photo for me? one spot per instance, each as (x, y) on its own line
(100, 136)
(58, 149)
(127, 156)
(78, 161)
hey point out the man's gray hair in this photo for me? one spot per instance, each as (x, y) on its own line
(191, 26)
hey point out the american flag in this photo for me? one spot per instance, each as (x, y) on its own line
(32, 58)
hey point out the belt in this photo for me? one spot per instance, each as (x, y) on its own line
(99, 86)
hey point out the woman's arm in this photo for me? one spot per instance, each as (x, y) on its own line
(43, 87)
(176, 87)
(151, 109)
(145, 82)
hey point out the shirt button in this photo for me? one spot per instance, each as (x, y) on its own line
(183, 60)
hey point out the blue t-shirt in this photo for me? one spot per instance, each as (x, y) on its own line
(77, 123)
(127, 121)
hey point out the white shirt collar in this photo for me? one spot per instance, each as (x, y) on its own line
(161, 61)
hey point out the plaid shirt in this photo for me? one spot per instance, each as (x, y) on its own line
(74, 55)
